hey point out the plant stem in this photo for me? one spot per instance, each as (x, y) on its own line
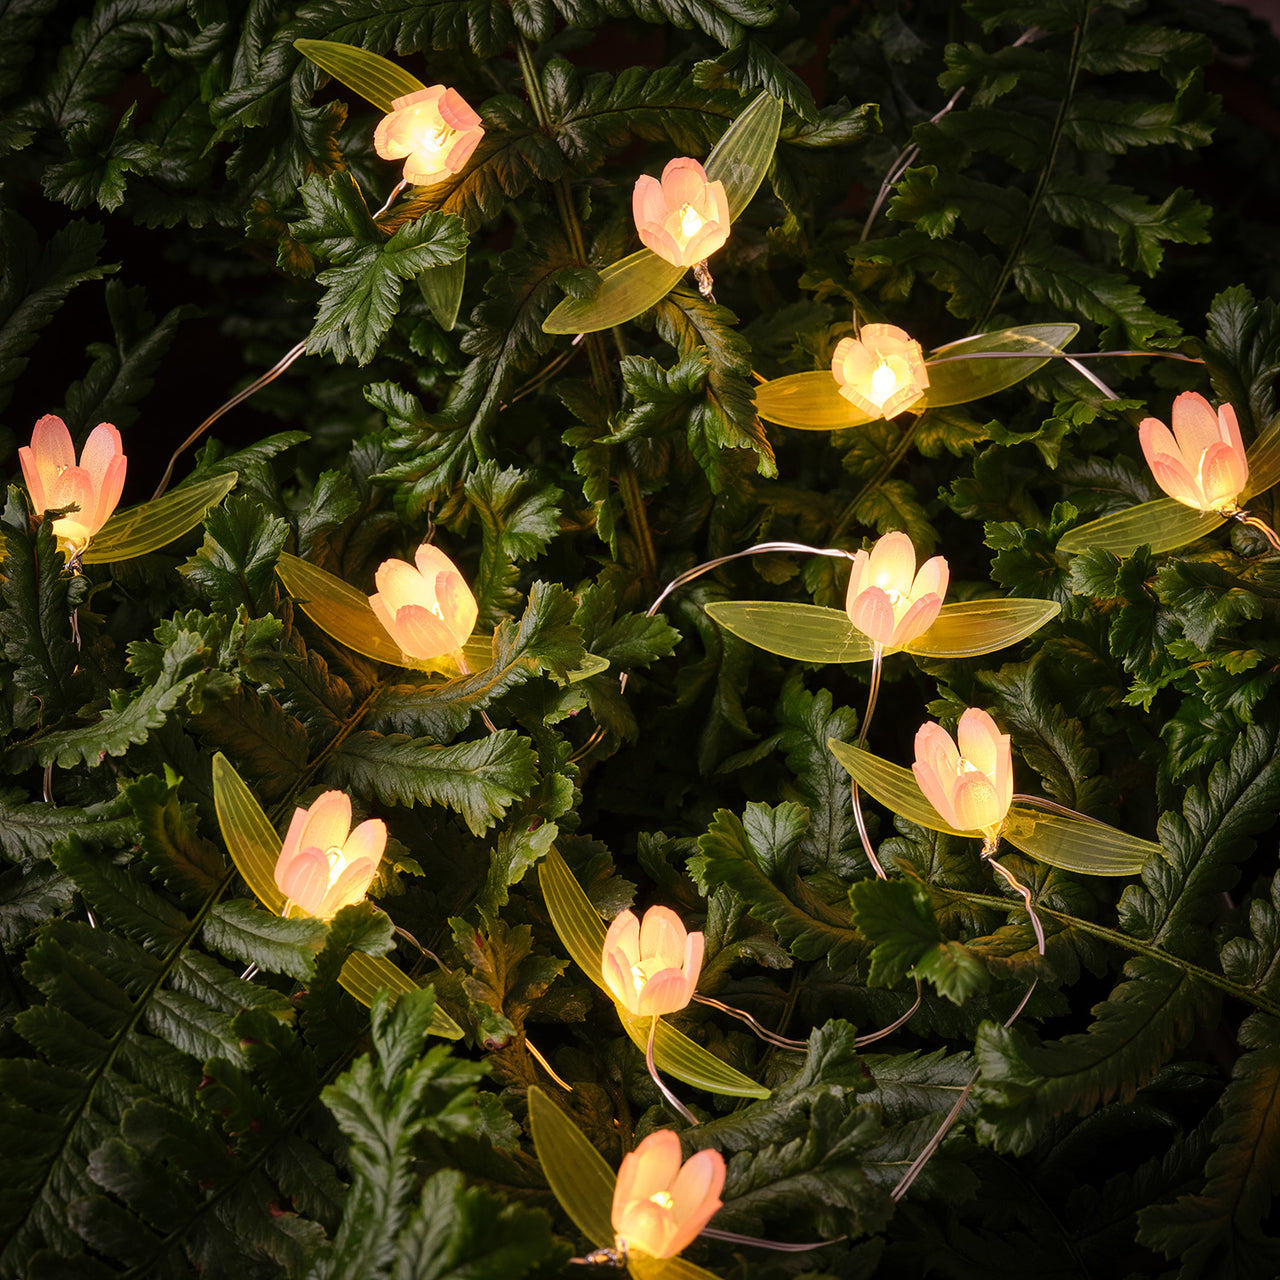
(886, 469)
(628, 481)
(1042, 183)
(1125, 942)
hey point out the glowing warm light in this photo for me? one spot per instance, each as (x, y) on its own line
(428, 610)
(54, 480)
(660, 1204)
(433, 130)
(881, 371)
(969, 784)
(887, 600)
(683, 218)
(323, 864)
(1201, 462)
(652, 967)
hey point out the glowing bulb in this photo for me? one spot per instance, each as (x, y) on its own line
(883, 382)
(690, 220)
(637, 976)
(662, 1199)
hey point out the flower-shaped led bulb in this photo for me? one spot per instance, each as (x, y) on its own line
(433, 130)
(888, 601)
(651, 968)
(1201, 462)
(881, 371)
(971, 786)
(428, 610)
(684, 218)
(324, 865)
(659, 1204)
(54, 480)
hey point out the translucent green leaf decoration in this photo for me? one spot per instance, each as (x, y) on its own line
(344, 612)
(634, 284)
(254, 847)
(1070, 841)
(996, 360)
(1162, 525)
(583, 932)
(1165, 525)
(152, 525)
(584, 1184)
(575, 1171)
(372, 76)
(812, 633)
(441, 288)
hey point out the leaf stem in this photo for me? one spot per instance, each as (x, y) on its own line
(1046, 172)
(628, 481)
(886, 469)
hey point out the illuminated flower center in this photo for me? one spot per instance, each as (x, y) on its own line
(638, 977)
(439, 139)
(883, 382)
(690, 220)
(662, 1199)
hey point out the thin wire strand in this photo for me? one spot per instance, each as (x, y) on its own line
(391, 199)
(760, 548)
(1265, 529)
(877, 661)
(893, 1026)
(1014, 883)
(772, 1037)
(671, 1098)
(255, 386)
(733, 1237)
(545, 1065)
(933, 1144)
(907, 156)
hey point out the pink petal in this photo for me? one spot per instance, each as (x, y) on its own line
(616, 972)
(456, 113)
(668, 991)
(647, 201)
(695, 946)
(623, 938)
(976, 803)
(980, 740)
(109, 492)
(684, 181)
(661, 242)
(662, 936)
(367, 841)
(933, 578)
(100, 450)
(34, 480)
(350, 887)
(421, 634)
(51, 444)
(1223, 473)
(399, 584)
(1195, 426)
(872, 614)
(457, 604)
(328, 821)
(304, 879)
(1229, 427)
(893, 563)
(1177, 481)
(293, 837)
(916, 621)
(655, 1164)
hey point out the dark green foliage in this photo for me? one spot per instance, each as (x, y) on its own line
(187, 202)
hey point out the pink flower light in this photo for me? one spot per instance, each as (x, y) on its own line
(426, 607)
(1201, 462)
(970, 785)
(433, 130)
(659, 1204)
(888, 600)
(651, 968)
(684, 218)
(323, 864)
(54, 480)
(881, 371)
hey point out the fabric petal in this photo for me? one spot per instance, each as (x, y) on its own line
(1195, 426)
(893, 563)
(51, 444)
(667, 991)
(976, 803)
(980, 740)
(1223, 473)
(103, 445)
(916, 621)
(351, 886)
